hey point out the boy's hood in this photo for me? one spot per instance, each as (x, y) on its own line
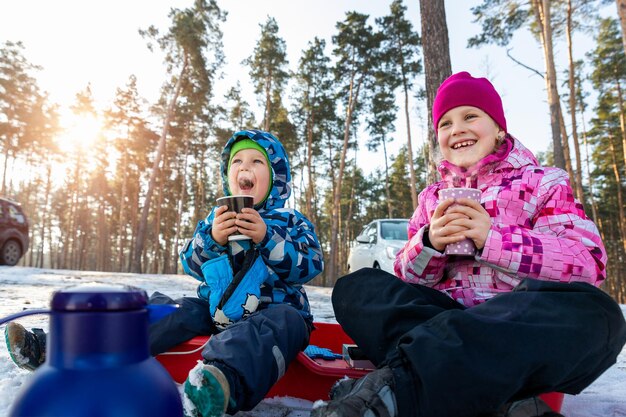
(281, 172)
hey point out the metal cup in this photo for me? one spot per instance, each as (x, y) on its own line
(236, 203)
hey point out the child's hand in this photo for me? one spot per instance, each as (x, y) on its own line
(223, 225)
(250, 223)
(475, 220)
(442, 230)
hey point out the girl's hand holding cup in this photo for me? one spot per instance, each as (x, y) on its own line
(460, 224)
(477, 221)
(440, 232)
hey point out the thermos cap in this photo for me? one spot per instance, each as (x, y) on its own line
(99, 297)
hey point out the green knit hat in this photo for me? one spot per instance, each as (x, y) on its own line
(246, 143)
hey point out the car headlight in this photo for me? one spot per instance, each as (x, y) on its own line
(392, 252)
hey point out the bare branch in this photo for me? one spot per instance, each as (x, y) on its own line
(508, 53)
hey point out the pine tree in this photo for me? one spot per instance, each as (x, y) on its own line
(18, 94)
(314, 111)
(193, 34)
(400, 50)
(355, 48)
(268, 69)
(437, 66)
(132, 136)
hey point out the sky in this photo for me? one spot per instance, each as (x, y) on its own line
(78, 42)
(25, 288)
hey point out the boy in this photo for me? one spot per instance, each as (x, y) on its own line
(251, 348)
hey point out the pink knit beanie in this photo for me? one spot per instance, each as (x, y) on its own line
(461, 89)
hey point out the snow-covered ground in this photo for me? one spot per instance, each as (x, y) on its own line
(25, 288)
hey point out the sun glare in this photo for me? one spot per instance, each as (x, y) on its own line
(80, 131)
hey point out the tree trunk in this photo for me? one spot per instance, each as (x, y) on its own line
(437, 67)
(387, 190)
(268, 101)
(72, 236)
(621, 11)
(622, 122)
(309, 163)
(412, 179)
(333, 173)
(45, 214)
(346, 226)
(102, 245)
(572, 105)
(314, 208)
(4, 170)
(592, 199)
(179, 211)
(334, 229)
(620, 202)
(141, 231)
(156, 243)
(542, 14)
(566, 152)
(121, 232)
(405, 87)
(134, 224)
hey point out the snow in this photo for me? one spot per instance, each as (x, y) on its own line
(28, 288)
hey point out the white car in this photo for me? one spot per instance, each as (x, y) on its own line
(377, 245)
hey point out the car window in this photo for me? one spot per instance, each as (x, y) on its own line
(394, 230)
(365, 233)
(16, 215)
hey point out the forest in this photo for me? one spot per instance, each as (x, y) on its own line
(128, 199)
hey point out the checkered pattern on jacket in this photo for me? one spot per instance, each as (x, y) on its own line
(538, 231)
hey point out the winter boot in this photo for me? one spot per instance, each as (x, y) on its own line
(207, 392)
(371, 395)
(529, 407)
(26, 348)
(341, 388)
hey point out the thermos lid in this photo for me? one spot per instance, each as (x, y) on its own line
(99, 297)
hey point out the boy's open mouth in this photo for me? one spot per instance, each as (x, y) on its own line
(463, 144)
(245, 184)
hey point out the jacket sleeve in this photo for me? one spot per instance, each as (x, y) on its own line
(200, 248)
(291, 248)
(562, 245)
(415, 262)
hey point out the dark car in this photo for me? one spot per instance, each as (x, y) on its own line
(13, 232)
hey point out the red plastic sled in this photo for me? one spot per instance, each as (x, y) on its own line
(310, 379)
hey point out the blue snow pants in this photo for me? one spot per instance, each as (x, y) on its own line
(453, 361)
(253, 353)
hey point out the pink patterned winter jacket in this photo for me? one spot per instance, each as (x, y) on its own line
(538, 230)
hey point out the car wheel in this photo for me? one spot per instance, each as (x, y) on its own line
(11, 253)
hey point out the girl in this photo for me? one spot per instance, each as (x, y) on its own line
(482, 335)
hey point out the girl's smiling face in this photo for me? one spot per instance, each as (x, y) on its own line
(466, 134)
(249, 174)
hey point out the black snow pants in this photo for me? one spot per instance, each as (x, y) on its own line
(253, 353)
(453, 361)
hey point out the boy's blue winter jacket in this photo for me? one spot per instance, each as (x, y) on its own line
(290, 251)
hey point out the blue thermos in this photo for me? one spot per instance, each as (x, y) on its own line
(98, 362)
